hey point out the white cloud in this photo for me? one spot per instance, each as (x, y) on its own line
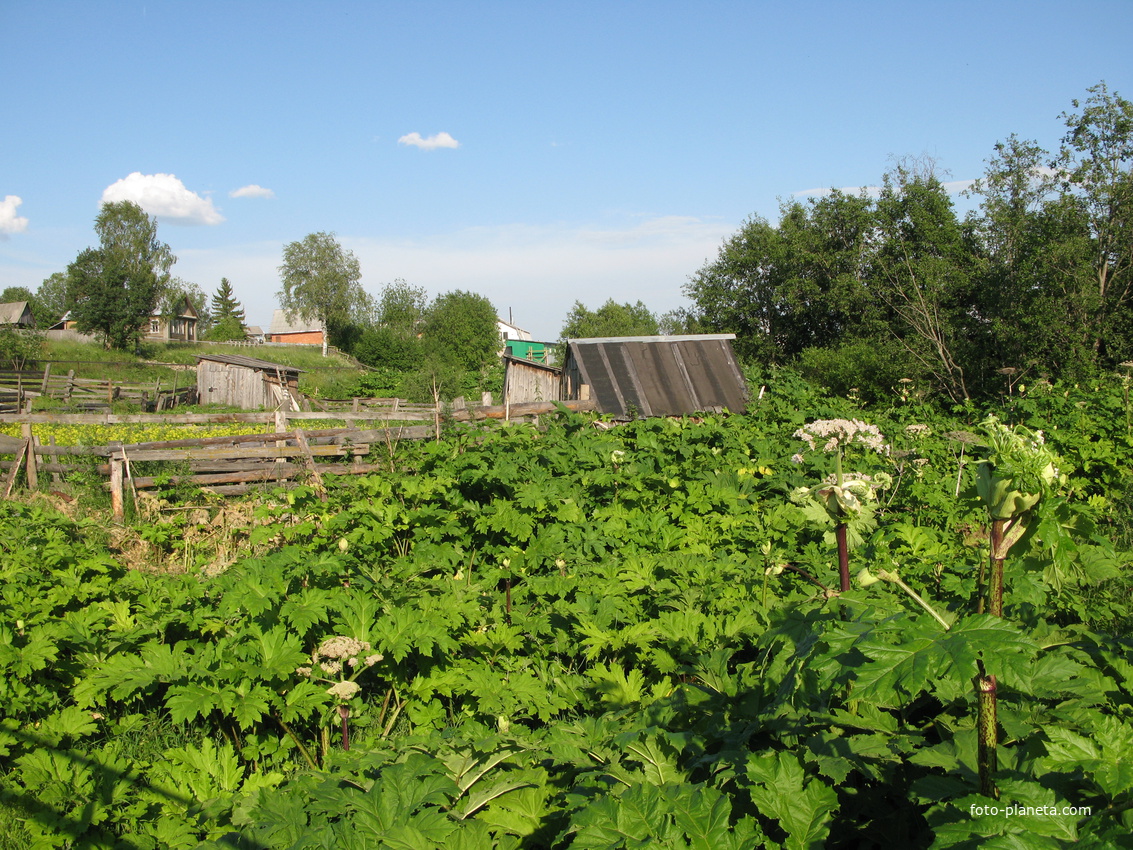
(440, 140)
(165, 196)
(251, 191)
(9, 221)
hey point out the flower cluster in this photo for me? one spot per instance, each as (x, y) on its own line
(839, 433)
(336, 656)
(846, 498)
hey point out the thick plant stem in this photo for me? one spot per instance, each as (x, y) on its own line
(986, 690)
(995, 580)
(843, 557)
(298, 743)
(344, 713)
(988, 730)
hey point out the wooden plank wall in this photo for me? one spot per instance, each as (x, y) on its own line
(531, 383)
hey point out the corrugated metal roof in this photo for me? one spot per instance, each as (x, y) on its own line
(249, 362)
(660, 375)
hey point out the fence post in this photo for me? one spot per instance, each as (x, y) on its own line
(32, 469)
(117, 500)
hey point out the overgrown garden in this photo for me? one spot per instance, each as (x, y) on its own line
(580, 636)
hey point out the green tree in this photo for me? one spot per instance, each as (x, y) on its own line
(926, 272)
(52, 298)
(225, 305)
(1095, 170)
(321, 282)
(114, 289)
(392, 342)
(800, 285)
(461, 328)
(739, 291)
(1034, 239)
(19, 346)
(228, 317)
(611, 319)
(401, 307)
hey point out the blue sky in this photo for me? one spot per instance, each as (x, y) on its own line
(534, 152)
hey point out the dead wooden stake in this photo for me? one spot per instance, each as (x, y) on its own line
(309, 459)
(15, 469)
(32, 471)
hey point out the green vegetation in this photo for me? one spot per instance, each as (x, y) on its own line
(577, 637)
(860, 292)
(114, 289)
(321, 284)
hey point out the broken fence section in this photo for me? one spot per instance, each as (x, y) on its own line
(234, 464)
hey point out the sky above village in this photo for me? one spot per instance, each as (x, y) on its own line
(537, 153)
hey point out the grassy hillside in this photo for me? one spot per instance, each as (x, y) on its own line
(324, 376)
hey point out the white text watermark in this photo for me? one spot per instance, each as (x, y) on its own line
(1013, 810)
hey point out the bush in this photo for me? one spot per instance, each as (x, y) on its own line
(872, 368)
(386, 348)
(19, 347)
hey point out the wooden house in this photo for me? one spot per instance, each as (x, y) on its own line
(246, 382)
(631, 377)
(180, 326)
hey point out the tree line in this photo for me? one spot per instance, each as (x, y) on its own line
(863, 290)
(418, 348)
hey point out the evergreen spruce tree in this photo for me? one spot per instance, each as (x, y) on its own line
(225, 305)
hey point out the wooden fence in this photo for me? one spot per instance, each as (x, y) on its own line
(19, 388)
(230, 465)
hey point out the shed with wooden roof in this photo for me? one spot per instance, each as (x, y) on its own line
(247, 382)
(16, 314)
(638, 376)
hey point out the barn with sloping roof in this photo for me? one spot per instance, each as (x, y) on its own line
(16, 314)
(638, 376)
(247, 382)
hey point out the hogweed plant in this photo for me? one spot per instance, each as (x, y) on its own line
(1018, 472)
(337, 662)
(842, 498)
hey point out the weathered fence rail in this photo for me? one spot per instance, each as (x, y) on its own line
(20, 387)
(229, 464)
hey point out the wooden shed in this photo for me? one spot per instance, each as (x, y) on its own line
(655, 375)
(530, 381)
(246, 382)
